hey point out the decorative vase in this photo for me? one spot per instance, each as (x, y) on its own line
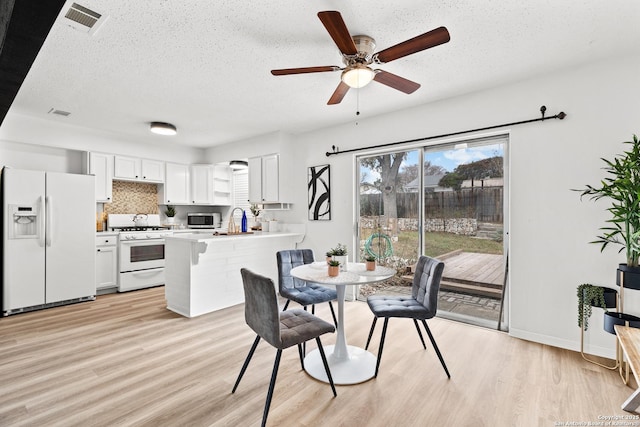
(629, 277)
(371, 265)
(334, 271)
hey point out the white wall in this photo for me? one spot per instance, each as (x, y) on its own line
(550, 226)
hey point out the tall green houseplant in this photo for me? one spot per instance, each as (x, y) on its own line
(622, 186)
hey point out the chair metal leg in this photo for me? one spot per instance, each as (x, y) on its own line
(435, 346)
(286, 304)
(272, 383)
(373, 326)
(246, 362)
(415, 322)
(384, 333)
(326, 366)
(333, 314)
(301, 353)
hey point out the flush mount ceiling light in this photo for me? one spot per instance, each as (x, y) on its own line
(357, 76)
(238, 164)
(162, 128)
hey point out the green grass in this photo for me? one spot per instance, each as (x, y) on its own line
(439, 243)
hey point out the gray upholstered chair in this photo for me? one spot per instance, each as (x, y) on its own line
(422, 304)
(281, 329)
(297, 290)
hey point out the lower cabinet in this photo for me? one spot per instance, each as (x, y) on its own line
(106, 263)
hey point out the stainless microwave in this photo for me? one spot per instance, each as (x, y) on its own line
(203, 220)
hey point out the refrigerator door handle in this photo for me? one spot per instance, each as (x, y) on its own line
(42, 225)
(48, 231)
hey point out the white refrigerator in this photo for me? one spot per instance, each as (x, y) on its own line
(48, 239)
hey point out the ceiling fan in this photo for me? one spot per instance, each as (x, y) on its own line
(357, 55)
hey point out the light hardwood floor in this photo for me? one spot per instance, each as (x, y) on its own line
(126, 360)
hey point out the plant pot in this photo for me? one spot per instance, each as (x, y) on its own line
(371, 265)
(610, 298)
(334, 271)
(612, 318)
(628, 276)
(171, 220)
(343, 261)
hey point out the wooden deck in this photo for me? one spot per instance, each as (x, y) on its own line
(474, 273)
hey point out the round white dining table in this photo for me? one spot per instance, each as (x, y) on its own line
(349, 364)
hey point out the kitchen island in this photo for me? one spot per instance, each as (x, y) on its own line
(202, 271)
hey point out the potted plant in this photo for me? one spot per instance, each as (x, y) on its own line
(170, 212)
(329, 255)
(622, 186)
(340, 254)
(590, 296)
(370, 262)
(334, 268)
(255, 211)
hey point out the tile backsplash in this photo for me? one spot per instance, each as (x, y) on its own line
(133, 197)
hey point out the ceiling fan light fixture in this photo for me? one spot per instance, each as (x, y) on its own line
(162, 128)
(357, 76)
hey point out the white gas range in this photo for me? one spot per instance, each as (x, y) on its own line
(140, 248)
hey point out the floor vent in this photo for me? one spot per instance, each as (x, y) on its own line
(59, 112)
(83, 19)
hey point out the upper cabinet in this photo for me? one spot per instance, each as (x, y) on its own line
(176, 186)
(211, 185)
(101, 165)
(264, 179)
(202, 184)
(135, 169)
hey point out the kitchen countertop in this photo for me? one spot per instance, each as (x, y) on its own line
(107, 233)
(201, 237)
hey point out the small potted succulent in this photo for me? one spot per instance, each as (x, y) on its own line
(340, 254)
(334, 268)
(370, 262)
(329, 255)
(170, 212)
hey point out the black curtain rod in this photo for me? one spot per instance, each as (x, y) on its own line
(561, 115)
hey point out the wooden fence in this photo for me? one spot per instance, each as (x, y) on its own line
(483, 204)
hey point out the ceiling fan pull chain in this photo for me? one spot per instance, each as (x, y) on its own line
(357, 104)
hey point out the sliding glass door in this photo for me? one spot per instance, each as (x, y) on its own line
(463, 225)
(447, 202)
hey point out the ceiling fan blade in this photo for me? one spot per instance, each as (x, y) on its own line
(425, 41)
(287, 71)
(338, 31)
(396, 82)
(339, 93)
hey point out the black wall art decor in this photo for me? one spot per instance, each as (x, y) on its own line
(319, 194)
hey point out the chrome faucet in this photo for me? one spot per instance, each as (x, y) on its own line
(231, 228)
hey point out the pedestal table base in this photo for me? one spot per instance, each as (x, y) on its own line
(358, 368)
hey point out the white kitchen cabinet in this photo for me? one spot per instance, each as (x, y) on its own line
(202, 184)
(106, 262)
(264, 179)
(222, 185)
(176, 185)
(101, 166)
(135, 169)
(152, 170)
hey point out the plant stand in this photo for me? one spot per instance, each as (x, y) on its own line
(611, 301)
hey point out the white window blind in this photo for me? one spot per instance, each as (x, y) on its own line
(241, 194)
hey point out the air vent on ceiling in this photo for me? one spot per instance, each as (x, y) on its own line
(84, 19)
(59, 112)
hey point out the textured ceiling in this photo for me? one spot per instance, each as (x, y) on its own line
(204, 65)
